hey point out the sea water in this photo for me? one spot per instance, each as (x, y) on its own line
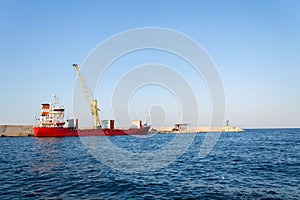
(256, 164)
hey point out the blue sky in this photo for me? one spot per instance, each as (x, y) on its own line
(254, 44)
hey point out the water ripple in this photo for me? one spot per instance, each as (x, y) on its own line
(257, 164)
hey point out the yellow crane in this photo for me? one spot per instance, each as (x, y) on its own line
(92, 104)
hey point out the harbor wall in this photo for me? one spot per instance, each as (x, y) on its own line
(16, 130)
(26, 130)
(203, 129)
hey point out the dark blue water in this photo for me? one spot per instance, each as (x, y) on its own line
(257, 164)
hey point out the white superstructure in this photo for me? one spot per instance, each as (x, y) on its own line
(52, 115)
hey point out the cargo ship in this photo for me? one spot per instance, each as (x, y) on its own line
(52, 124)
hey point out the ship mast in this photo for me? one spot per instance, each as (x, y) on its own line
(92, 103)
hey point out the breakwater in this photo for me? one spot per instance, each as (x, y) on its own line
(26, 130)
(203, 129)
(16, 130)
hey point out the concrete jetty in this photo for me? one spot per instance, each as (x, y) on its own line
(199, 129)
(26, 130)
(16, 130)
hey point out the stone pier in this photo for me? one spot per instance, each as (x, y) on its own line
(16, 130)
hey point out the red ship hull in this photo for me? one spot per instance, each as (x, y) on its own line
(67, 132)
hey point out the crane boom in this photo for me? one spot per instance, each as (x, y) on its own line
(92, 104)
